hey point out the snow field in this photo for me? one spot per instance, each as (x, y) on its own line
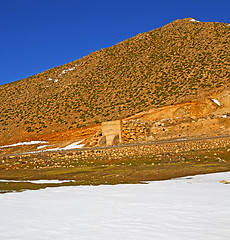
(186, 208)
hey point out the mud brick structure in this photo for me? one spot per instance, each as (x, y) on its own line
(111, 133)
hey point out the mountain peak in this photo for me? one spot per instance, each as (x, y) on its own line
(189, 19)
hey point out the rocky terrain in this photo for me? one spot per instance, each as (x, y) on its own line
(121, 164)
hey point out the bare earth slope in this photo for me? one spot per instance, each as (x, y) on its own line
(182, 61)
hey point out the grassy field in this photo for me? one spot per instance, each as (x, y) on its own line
(125, 170)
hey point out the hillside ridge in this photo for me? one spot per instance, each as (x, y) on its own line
(182, 61)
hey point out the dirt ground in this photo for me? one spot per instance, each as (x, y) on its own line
(126, 170)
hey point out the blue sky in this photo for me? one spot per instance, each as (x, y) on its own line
(36, 35)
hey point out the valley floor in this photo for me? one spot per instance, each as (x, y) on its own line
(127, 164)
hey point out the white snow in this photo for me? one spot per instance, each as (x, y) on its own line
(70, 146)
(24, 143)
(43, 146)
(66, 70)
(39, 181)
(180, 209)
(50, 181)
(194, 20)
(50, 79)
(74, 145)
(71, 69)
(224, 116)
(56, 80)
(216, 101)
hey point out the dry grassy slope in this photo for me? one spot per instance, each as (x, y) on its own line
(175, 63)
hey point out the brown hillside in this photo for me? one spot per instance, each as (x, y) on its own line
(182, 61)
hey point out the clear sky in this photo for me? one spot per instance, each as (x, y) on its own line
(36, 35)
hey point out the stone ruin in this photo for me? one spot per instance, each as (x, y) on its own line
(111, 133)
(136, 131)
(115, 132)
(209, 117)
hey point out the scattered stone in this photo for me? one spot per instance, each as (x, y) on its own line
(224, 182)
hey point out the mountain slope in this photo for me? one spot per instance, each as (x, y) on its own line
(179, 62)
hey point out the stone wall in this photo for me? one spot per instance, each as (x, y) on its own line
(132, 131)
(135, 131)
(165, 129)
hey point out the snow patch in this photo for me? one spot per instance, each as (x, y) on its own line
(24, 143)
(38, 181)
(67, 70)
(49, 181)
(68, 147)
(40, 147)
(49, 79)
(224, 116)
(194, 20)
(56, 80)
(71, 69)
(74, 145)
(71, 146)
(216, 101)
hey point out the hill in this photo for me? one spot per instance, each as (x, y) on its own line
(182, 61)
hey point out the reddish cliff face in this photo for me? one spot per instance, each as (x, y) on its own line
(215, 104)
